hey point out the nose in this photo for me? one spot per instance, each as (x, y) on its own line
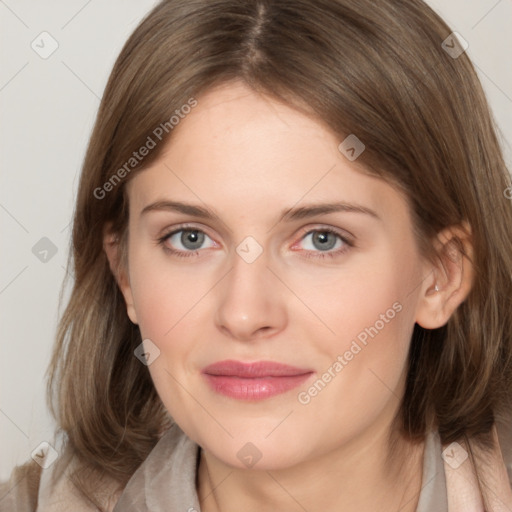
(251, 300)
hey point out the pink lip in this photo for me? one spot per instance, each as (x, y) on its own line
(253, 381)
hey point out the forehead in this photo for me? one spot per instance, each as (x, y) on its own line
(241, 149)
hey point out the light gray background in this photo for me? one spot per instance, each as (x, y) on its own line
(47, 109)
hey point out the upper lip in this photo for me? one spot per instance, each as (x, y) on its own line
(233, 368)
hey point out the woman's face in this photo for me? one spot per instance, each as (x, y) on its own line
(250, 284)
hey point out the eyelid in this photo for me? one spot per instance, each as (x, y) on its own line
(343, 233)
(167, 232)
(346, 236)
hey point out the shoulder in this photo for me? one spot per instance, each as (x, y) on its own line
(20, 491)
(31, 488)
(59, 493)
(168, 475)
(476, 474)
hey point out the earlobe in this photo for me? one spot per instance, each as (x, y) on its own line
(449, 282)
(111, 248)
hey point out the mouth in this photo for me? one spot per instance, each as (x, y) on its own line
(253, 381)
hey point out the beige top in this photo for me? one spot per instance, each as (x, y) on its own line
(165, 482)
(433, 487)
(170, 475)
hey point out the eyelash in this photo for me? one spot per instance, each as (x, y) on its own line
(319, 254)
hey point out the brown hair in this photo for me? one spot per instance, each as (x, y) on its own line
(373, 68)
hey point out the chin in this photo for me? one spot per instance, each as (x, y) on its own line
(264, 454)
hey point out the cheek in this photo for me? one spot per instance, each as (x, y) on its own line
(170, 301)
(365, 297)
(373, 334)
(164, 292)
(370, 313)
(167, 301)
(368, 359)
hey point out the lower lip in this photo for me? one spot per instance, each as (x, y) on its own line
(253, 389)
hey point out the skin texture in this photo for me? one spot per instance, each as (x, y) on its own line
(248, 157)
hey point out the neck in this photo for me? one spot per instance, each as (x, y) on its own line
(361, 477)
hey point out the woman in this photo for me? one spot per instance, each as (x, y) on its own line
(341, 320)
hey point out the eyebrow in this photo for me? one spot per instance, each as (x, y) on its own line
(287, 215)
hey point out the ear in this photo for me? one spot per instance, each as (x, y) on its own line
(112, 248)
(453, 275)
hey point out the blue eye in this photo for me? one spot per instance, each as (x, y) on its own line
(326, 239)
(323, 239)
(190, 239)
